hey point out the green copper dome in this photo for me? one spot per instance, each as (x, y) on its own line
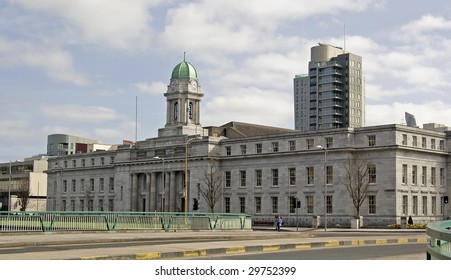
(184, 70)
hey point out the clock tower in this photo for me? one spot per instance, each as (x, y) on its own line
(183, 98)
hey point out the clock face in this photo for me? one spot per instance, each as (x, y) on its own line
(173, 85)
(193, 83)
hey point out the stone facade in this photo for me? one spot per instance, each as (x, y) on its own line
(262, 169)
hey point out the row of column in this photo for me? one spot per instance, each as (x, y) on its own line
(147, 193)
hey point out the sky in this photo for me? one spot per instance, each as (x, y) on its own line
(89, 67)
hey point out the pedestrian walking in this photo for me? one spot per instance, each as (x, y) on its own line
(279, 222)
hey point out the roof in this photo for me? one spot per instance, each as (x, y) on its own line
(241, 130)
(184, 70)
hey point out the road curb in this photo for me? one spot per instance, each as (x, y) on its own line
(236, 250)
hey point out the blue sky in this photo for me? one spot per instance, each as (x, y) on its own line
(77, 66)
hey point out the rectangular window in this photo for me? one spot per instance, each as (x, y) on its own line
(111, 159)
(423, 142)
(82, 185)
(243, 149)
(404, 139)
(100, 204)
(405, 204)
(101, 184)
(309, 202)
(329, 142)
(371, 140)
(329, 209)
(228, 179)
(110, 204)
(74, 186)
(274, 204)
(310, 144)
(371, 173)
(372, 204)
(90, 205)
(404, 173)
(227, 204)
(74, 163)
(425, 205)
(93, 161)
(433, 144)
(275, 146)
(433, 176)
(65, 186)
(424, 176)
(242, 205)
(292, 145)
(258, 205)
(83, 162)
(442, 145)
(275, 177)
(111, 184)
(82, 205)
(414, 174)
(433, 205)
(102, 161)
(242, 178)
(258, 178)
(65, 164)
(292, 204)
(415, 205)
(414, 141)
(329, 175)
(442, 177)
(91, 184)
(72, 205)
(310, 175)
(63, 203)
(228, 150)
(258, 148)
(292, 175)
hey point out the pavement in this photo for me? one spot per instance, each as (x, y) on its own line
(162, 245)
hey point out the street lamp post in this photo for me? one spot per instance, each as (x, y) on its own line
(164, 184)
(325, 185)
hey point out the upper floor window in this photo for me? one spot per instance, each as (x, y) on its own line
(258, 148)
(371, 140)
(414, 141)
(275, 177)
(190, 110)
(310, 144)
(442, 145)
(329, 142)
(228, 150)
(371, 173)
(243, 149)
(228, 179)
(292, 145)
(176, 110)
(404, 139)
(275, 146)
(310, 175)
(433, 144)
(423, 142)
(292, 174)
(242, 178)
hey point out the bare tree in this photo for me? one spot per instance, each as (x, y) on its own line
(23, 194)
(356, 179)
(211, 190)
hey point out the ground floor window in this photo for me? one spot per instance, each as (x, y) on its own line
(227, 204)
(372, 204)
(258, 205)
(405, 204)
(309, 202)
(329, 204)
(275, 204)
(242, 205)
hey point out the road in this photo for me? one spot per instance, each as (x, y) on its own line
(371, 252)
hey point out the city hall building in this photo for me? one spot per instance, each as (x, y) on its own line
(262, 170)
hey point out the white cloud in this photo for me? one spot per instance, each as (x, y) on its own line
(56, 63)
(155, 88)
(118, 24)
(251, 105)
(431, 112)
(80, 113)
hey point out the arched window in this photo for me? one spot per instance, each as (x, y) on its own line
(176, 110)
(190, 110)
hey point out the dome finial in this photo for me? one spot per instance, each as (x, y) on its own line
(184, 55)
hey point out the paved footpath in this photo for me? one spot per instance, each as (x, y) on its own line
(177, 245)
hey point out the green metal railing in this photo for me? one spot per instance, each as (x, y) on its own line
(112, 221)
(439, 247)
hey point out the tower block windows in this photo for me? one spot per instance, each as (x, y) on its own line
(176, 110)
